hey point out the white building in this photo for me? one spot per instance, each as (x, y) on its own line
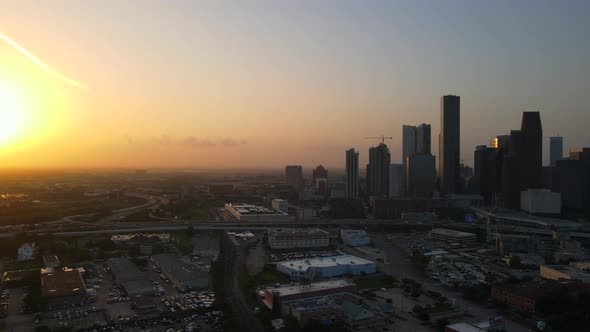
(355, 238)
(287, 238)
(26, 252)
(249, 212)
(540, 201)
(280, 205)
(326, 267)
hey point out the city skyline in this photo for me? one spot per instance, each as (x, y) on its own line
(363, 69)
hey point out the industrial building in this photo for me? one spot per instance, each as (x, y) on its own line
(62, 288)
(288, 238)
(326, 267)
(249, 212)
(451, 236)
(355, 238)
(288, 293)
(183, 275)
(128, 276)
(521, 219)
(574, 271)
(541, 201)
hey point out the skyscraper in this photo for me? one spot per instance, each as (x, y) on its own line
(320, 180)
(449, 143)
(555, 149)
(396, 180)
(420, 175)
(378, 170)
(294, 176)
(423, 139)
(485, 172)
(408, 142)
(522, 160)
(352, 173)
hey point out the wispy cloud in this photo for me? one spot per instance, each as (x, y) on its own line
(40, 63)
(188, 141)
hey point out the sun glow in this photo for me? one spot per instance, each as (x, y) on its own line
(13, 112)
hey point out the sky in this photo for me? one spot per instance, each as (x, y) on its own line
(251, 84)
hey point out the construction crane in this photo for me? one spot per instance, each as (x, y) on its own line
(382, 138)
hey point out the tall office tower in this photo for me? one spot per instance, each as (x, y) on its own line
(571, 178)
(522, 160)
(555, 149)
(378, 170)
(500, 141)
(408, 148)
(420, 175)
(423, 139)
(485, 173)
(449, 143)
(294, 176)
(396, 180)
(320, 180)
(352, 173)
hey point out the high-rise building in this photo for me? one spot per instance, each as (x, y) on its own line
(555, 149)
(352, 173)
(415, 140)
(485, 172)
(571, 178)
(294, 176)
(378, 170)
(320, 180)
(449, 144)
(396, 180)
(522, 160)
(420, 175)
(408, 148)
(423, 139)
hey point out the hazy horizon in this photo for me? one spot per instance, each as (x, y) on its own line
(223, 85)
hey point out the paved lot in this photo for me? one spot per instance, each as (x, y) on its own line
(400, 266)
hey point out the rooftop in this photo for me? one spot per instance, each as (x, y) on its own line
(125, 270)
(296, 231)
(304, 264)
(524, 217)
(249, 209)
(312, 287)
(57, 283)
(322, 302)
(181, 270)
(450, 232)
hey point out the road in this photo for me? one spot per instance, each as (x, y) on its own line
(400, 266)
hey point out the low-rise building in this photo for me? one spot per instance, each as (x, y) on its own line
(289, 238)
(574, 271)
(249, 212)
(541, 201)
(51, 261)
(355, 238)
(62, 288)
(183, 275)
(326, 267)
(127, 275)
(325, 309)
(288, 293)
(451, 236)
(360, 317)
(522, 296)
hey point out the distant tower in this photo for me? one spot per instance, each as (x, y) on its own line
(378, 170)
(396, 180)
(320, 180)
(294, 176)
(423, 139)
(449, 143)
(555, 149)
(352, 173)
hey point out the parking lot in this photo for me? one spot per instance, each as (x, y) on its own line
(451, 272)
